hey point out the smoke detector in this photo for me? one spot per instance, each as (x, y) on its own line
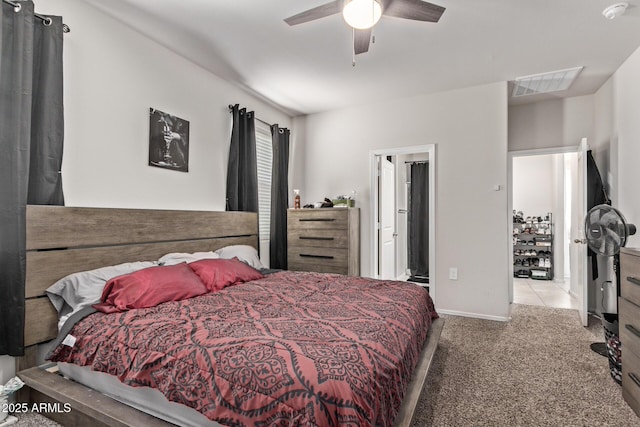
(615, 10)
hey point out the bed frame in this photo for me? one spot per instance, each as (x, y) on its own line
(64, 240)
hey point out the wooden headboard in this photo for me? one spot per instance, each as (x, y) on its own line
(64, 240)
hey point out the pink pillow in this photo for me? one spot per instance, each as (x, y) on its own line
(149, 287)
(220, 273)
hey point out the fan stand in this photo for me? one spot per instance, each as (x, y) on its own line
(601, 347)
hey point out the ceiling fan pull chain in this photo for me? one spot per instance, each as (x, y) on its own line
(353, 43)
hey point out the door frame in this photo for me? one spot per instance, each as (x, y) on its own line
(510, 157)
(430, 150)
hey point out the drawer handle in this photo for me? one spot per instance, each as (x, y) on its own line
(315, 238)
(635, 378)
(316, 219)
(633, 330)
(317, 256)
(633, 280)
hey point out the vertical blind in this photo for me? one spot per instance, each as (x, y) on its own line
(264, 157)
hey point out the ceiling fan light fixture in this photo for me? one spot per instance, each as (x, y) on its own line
(362, 14)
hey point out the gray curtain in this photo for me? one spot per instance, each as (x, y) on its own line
(279, 197)
(418, 220)
(31, 142)
(242, 172)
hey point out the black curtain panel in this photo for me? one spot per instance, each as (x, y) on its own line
(242, 174)
(596, 195)
(279, 197)
(418, 219)
(31, 139)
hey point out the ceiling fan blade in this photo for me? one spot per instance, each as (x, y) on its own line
(315, 13)
(361, 39)
(414, 9)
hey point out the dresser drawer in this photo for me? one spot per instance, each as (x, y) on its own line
(631, 379)
(318, 238)
(313, 255)
(629, 326)
(630, 277)
(323, 219)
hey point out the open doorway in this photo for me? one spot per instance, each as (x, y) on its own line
(402, 209)
(542, 210)
(569, 187)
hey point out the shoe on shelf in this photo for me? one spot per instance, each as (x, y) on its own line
(547, 263)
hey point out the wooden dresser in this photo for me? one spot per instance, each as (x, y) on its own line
(325, 240)
(629, 321)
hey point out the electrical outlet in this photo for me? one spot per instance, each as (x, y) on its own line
(453, 273)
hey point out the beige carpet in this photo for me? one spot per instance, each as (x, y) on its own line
(536, 370)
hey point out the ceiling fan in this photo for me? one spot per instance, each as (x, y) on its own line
(362, 15)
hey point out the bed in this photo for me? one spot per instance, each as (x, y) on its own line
(266, 336)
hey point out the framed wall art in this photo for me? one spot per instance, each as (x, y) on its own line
(168, 141)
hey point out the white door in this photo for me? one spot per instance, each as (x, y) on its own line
(386, 206)
(578, 247)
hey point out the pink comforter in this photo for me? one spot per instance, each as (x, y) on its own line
(295, 349)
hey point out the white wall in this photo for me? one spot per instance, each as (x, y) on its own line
(626, 89)
(555, 123)
(533, 184)
(469, 128)
(112, 76)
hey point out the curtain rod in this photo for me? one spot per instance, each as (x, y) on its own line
(17, 7)
(415, 161)
(280, 130)
(261, 121)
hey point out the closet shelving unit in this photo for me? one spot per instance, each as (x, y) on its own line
(533, 242)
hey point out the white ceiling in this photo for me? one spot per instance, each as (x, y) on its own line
(308, 68)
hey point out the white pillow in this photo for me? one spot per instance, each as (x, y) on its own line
(78, 290)
(245, 253)
(178, 257)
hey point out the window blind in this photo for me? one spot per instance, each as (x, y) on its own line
(264, 154)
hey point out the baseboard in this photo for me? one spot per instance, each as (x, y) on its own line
(474, 315)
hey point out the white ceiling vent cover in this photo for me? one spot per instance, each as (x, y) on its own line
(546, 82)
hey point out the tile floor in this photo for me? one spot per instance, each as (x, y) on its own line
(548, 293)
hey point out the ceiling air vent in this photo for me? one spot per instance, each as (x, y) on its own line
(544, 83)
